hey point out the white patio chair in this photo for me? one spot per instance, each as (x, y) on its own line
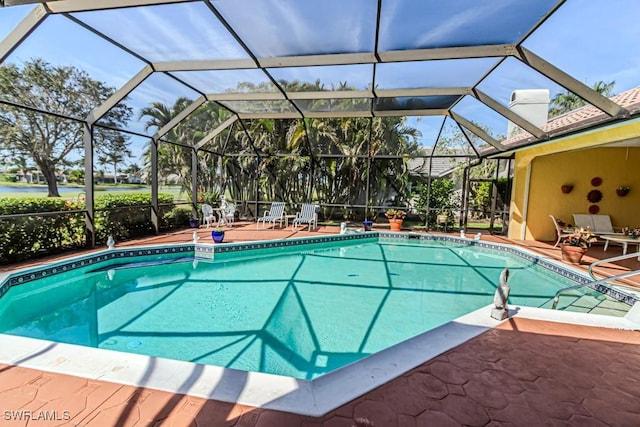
(207, 215)
(442, 220)
(227, 214)
(276, 213)
(307, 215)
(561, 234)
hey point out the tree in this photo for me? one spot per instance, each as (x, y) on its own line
(173, 158)
(563, 102)
(439, 199)
(277, 159)
(76, 176)
(133, 170)
(22, 164)
(45, 138)
(113, 151)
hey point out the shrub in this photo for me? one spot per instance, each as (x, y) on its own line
(27, 236)
(175, 218)
(123, 215)
(439, 199)
(481, 197)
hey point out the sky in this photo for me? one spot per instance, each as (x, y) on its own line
(590, 39)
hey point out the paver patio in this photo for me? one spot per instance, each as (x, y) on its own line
(526, 372)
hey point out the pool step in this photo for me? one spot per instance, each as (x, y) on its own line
(591, 304)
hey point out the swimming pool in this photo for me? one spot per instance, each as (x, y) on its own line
(295, 310)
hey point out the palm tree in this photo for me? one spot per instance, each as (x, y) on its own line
(176, 159)
(563, 102)
(261, 164)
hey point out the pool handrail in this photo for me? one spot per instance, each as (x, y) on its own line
(604, 280)
(615, 258)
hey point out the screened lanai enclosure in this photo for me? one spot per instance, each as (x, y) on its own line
(356, 105)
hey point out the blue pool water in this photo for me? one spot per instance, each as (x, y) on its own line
(292, 312)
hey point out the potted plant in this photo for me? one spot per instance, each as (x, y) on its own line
(634, 234)
(217, 235)
(575, 245)
(395, 217)
(194, 222)
(367, 224)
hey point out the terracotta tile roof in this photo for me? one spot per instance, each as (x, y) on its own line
(581, 117)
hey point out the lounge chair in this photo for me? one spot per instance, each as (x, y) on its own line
(207, 215)
(276, 213)
(561, 234)
(307, 215)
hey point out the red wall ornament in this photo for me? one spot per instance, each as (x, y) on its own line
(594, 196)
(596, 181)
(594, 209)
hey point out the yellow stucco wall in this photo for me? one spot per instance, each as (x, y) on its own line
(575, 160)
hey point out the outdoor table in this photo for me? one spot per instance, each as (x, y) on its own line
(623, 240)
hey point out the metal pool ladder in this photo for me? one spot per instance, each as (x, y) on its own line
(596, 281)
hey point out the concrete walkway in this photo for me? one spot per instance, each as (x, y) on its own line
(525, 373)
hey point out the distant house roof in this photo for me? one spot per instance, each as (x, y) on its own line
(578, 118)
(440, 166)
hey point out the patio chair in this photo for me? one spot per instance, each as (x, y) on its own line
(227, 214)
(561, 234)
(207, 215)
(442, 220)
(275, 213)
(307, 215)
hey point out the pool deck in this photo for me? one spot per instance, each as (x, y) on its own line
(525, 372)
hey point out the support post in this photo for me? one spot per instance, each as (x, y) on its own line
(154, 187)
(464, 202)
(367, 190)
(194, 183)
(429, 180)
(494, 196)
(89, 217)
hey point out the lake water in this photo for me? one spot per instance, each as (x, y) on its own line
(61, 189)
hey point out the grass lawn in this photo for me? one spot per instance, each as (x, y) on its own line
(484, 225)
(73, 193)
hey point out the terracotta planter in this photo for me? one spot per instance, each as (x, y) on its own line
(396, 224)
(572, 254)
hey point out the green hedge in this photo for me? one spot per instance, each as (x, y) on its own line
(39, 235)
(175, 218)
(124, 216)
